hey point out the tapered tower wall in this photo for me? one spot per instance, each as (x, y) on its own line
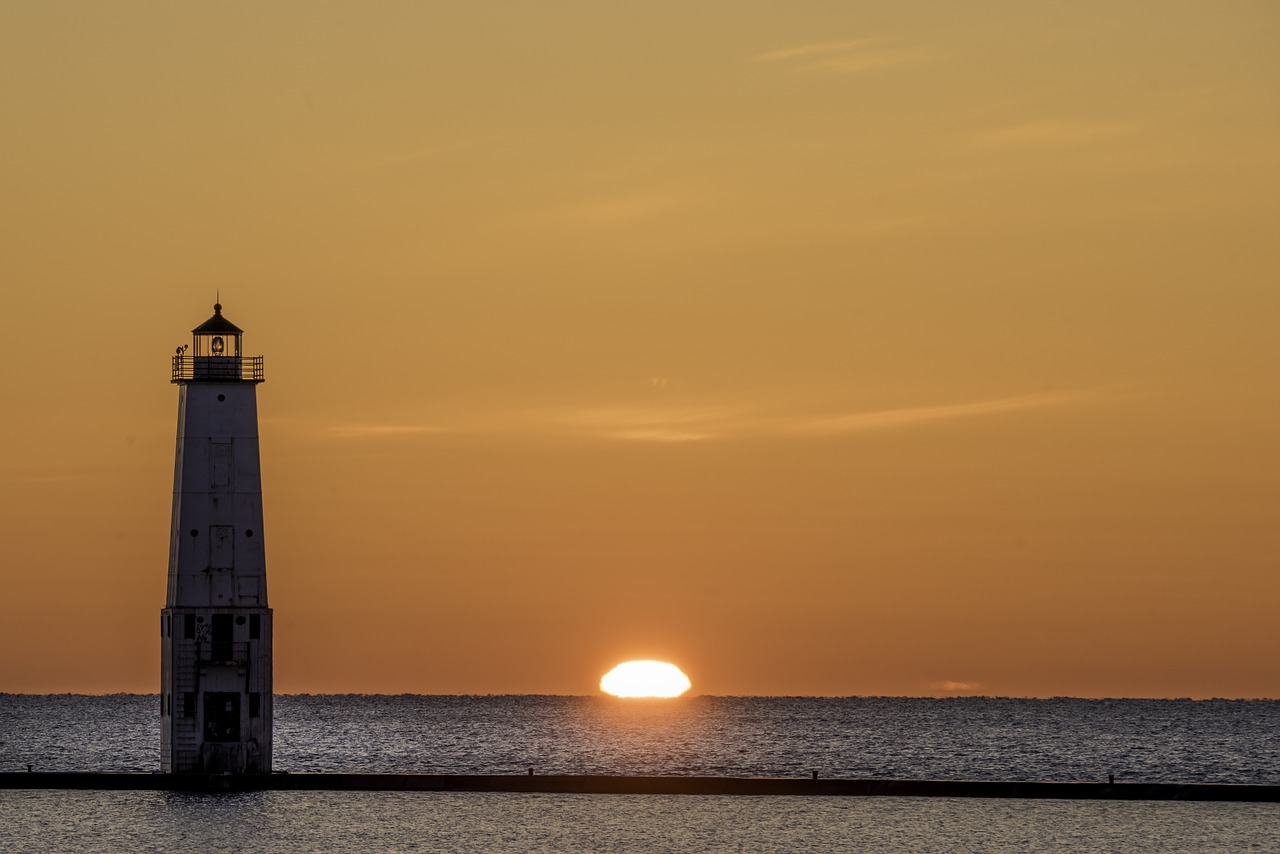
(216, 627)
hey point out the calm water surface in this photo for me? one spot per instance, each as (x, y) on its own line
(398, 821)
(1169, 741)
(971, 738)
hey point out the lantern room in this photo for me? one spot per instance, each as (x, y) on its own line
(217, 337)
(216, 354)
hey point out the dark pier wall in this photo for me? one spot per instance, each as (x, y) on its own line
(602, 785)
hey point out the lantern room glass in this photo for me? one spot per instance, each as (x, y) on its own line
(217, 344)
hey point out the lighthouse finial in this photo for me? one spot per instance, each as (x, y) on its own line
(217, 305)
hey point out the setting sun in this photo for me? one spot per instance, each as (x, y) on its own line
(645, 679)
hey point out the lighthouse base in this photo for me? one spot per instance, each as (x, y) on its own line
(215, 690)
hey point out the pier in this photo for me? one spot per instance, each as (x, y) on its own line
(620, 785)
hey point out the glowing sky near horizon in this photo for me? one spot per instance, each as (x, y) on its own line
(824, 347)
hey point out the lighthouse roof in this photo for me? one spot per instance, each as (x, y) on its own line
(218, 323)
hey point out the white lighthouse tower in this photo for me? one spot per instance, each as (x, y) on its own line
(215, 644)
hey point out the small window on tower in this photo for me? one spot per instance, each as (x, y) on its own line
(255, 704)
(189, 627)
(255, 627)
(189, 704)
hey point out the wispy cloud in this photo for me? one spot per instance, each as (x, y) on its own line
(844, 57)
(867, 61)
(660, 434)
(813, 49)
(669, 423)
(1052, 132)
(890, 418)
(657, 424)
(952, 686)
(374, 431)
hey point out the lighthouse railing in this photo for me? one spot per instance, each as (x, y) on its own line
(217, 369)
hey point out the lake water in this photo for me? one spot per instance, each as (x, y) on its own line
(966, 738)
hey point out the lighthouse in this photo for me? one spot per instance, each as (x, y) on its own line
(215, 629)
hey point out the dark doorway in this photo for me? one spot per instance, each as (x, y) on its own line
(221, 716)
(222, 635)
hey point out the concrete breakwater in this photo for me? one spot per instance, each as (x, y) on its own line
(604, 785)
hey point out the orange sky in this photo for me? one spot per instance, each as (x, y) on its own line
(818, 347)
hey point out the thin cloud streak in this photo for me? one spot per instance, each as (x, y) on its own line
(952, 686)
(866, 62)
(844, 57)
(810, 49)
(374, 431)
(1052, 132)
(671, 425)
(674, 425)
(660, 435)
(650, 425)
(887, 419)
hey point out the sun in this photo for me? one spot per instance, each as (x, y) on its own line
(645, 679)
